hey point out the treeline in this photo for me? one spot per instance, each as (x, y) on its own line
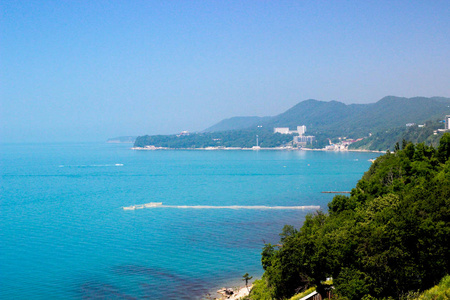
(390, 237)
(231, 138)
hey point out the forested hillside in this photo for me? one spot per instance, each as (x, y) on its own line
(387, 139)
(389, 237)
(355, 120)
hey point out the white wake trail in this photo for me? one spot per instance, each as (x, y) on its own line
(260, 207)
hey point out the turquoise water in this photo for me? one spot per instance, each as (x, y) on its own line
(63, 233)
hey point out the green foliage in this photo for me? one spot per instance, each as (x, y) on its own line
(303, 294)
(260, 290)
(352, 284)
(391, 237)
(439, 292)
(287, 232)
(267, 255)
(444, 148)
(341, 203)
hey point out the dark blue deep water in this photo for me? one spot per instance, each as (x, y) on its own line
(63, 233)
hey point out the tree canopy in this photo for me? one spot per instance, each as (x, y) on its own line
(389, 237)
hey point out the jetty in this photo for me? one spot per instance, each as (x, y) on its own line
(336, 192)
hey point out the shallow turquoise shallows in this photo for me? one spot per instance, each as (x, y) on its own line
(64, 234)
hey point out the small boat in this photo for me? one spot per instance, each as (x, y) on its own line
(140, 206)
(129, 207)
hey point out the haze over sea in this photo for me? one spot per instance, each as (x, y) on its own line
(63, 233)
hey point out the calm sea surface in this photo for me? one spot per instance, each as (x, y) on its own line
(63, 233)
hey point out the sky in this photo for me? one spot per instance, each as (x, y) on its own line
(92, 70)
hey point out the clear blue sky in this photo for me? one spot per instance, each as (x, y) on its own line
(90, 70)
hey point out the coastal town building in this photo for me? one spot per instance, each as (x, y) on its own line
(285, 130)
(282, 130)
(303, 140)
(447, 122)
(301, 129)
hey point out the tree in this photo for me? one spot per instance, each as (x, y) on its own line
(444, 148)
(266, 255)
(246, 279)
(287, 232)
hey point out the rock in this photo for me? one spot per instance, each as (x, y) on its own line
(226, 292)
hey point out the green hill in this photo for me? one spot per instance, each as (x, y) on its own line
(325, 120)
(356, 120)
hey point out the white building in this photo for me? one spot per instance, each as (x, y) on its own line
(282, 130)
(285, 130)
(301, 129)
(447, 122)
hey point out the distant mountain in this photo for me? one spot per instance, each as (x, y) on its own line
(324, 120)
(316, 115)
(237, 123)
(338, 119)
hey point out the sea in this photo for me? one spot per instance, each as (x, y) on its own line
(64, 234)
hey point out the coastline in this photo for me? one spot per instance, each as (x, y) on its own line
(237, 293)
(153, 148)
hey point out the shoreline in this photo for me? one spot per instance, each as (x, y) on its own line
(153, 148)
(237, 293)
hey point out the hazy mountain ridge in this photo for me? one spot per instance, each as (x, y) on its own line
(337, 118)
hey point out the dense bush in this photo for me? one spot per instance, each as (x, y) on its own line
(389, 237)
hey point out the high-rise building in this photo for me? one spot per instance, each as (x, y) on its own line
(447, 122)
(301, 130)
